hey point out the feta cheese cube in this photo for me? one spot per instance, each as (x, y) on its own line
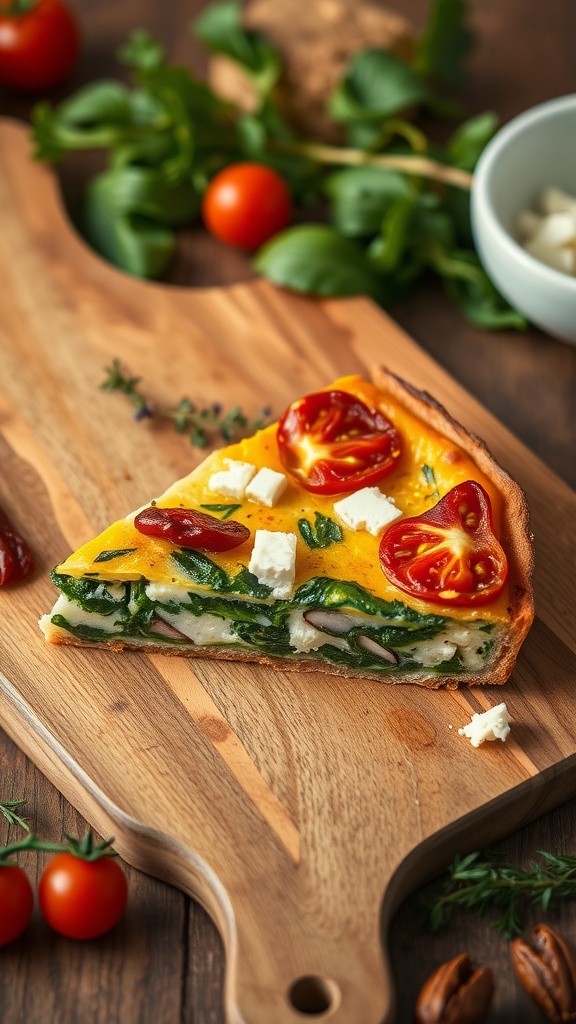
(267, 487)
(554, 200)
(490, 725)
(232, 482)
(557, 229)
(273, 561)
(367, 509)
(557, 257)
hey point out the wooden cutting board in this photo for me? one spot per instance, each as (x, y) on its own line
(298, 808)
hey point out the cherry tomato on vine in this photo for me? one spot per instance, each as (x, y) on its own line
(332, 442)
(246, 204)
(82, 899)
(448, 554)
(191, 529)
(16, 902)
(39, 44)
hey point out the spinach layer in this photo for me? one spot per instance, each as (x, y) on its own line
(261, 623)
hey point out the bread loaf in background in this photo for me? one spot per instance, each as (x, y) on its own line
(316, 41)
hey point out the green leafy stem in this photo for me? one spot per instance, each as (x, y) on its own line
(397, 204)
(481, 882)
(84, 849)
(199, 423)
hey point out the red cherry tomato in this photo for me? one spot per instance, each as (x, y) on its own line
(191, 529)
(16, 902)
(332, 442)
(448, 554)
(82, 899)
(39, 44)
(245, 204)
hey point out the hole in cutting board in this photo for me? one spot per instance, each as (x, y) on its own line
(313, 996)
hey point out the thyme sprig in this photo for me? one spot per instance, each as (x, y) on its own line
(483, 883)
(8, 809)
(200, 423)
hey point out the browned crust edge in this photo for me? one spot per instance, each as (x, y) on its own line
(430, 681)
(516, 540)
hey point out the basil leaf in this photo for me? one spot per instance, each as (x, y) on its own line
(220, 28)
(107, 101)
(471, 289)
(445, 42)
(318, 260)
(465, 145)
(361, 196)
(324, 532)
(107, 556)
(377, 85)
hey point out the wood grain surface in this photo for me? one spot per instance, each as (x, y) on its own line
(493, 376)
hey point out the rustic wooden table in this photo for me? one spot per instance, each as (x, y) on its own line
(164, 962)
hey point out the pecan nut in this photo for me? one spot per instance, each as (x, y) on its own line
(456, 993)
(547, 971)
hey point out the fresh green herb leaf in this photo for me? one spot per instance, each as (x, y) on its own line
(465, 145)
(430, 478)
(324, 532)
(186, 416)
(117, 380)
(377, 85)
(361, 197)
(220, 28)
(445, 42)
(317, 259)
(482, 882)
(142, 51)
(471, 289)
(202, 569)
(107, 556)
(8, 809)
(225, 510)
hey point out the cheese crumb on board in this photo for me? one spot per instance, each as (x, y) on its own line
(367, 509)
(490, 725)
(267, 487)
(549, 234)
(232, 482)
(273, 561)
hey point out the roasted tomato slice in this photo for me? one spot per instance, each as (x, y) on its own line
(191, 529)
(333, 442)
(448, 554)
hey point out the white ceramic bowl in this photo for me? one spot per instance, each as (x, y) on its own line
(535, 150)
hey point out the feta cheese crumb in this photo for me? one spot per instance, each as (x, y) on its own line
(232, 482)
(367, 509)
(267, 487)
(550, 235)
(490, 725)
(273, 561)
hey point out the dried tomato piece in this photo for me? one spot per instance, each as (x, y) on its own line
(16, 561)
(191, 529)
